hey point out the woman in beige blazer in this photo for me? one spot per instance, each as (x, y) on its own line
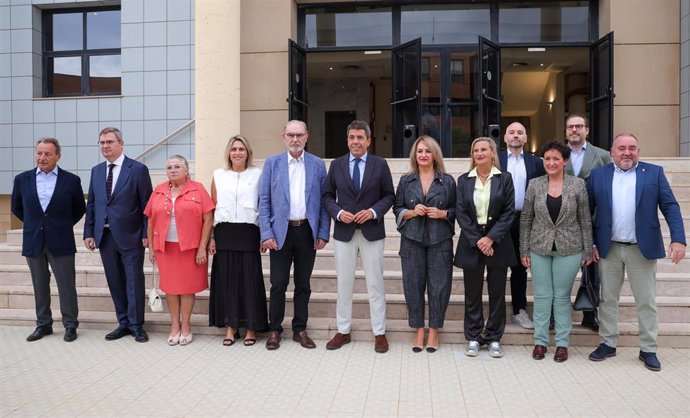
(555, 240)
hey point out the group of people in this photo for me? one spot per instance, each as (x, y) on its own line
(515, 210)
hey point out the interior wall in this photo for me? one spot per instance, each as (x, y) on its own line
(384, 119)
(544, 120)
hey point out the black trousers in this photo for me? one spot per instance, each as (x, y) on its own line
(474, 310)
(518, 273)
(298, 249)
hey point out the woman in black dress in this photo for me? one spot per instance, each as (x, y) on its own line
(238, 294)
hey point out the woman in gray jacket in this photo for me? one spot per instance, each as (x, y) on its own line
(425, 215)
(555, 240)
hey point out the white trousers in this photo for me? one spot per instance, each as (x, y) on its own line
(371, 253)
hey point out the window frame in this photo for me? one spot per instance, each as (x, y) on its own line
(84, 53)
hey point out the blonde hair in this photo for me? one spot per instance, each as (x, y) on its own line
(436, 154)
(492, 145)
(250, 154)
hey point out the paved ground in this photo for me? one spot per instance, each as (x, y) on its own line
(93, 377)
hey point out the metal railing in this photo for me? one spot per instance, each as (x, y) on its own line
(167, 138)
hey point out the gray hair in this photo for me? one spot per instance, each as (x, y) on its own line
(48, 140)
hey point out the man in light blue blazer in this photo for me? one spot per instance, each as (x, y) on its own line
(626, 197)
(294, 224)
(115, 224)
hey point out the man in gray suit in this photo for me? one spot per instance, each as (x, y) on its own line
(584, 157)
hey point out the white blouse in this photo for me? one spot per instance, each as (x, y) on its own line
(237, 195)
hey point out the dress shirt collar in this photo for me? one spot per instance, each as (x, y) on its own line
(118, 162)
(363, 157)
(520, 156)
(583, 149)
(493, 172)
(53, 171)
(298, 159)
(620, 170)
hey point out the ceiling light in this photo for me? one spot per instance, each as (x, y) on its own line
(536, 49)
(372, 52)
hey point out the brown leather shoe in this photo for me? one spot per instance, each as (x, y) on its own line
(303, 339)
(381, 345)
(273, 342)
(561, 354)
(539, 352)
(338, 341)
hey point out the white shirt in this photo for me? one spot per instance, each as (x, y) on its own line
(298, 205)
(171, 234)
(116, 169)
(623, 205)
(237, 195)
(45, 186)
(516, 167)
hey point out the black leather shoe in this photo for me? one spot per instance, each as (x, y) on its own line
(39, 333)
(140, 335)
(650, 361)
(70, 334)
(117, 333)
(591, 323)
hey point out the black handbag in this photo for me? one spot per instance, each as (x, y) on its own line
(587, 299)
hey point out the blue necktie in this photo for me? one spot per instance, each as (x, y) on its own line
(109, 182)
(355, 175)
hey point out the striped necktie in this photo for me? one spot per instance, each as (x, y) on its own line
(109, 181)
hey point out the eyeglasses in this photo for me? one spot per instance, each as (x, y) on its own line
(295, 135)
(576, 127)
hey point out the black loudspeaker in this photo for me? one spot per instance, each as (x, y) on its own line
(409, 136)
(495, 132)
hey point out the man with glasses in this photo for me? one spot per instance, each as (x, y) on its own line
(294, 224)
(584, 157)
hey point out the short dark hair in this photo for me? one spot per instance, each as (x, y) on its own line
(359, 124)
(578, 115)
(47, 140)
(557, 146)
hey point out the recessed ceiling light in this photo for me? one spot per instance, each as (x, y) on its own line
(372, 52)
(330, 68)
(519, 64)
(536, 49)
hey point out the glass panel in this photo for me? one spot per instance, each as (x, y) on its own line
(104, 74)
(67, 32)
(445, 24)
(103, 29)
(565, 21)
(431, 121)
(65, 77)
(463, 70)
(356, 26)
(463, 129)
(431, 77)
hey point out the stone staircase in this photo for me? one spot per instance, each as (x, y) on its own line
(96, 309)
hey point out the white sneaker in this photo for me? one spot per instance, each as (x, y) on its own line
(495, 350)
(472, 349)
(522, 319)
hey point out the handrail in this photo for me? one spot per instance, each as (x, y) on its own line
(153, 147)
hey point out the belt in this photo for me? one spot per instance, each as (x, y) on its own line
(298, 222)
(106, 226)
(624, 243)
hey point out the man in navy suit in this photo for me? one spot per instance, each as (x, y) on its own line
(49, 201)
(115, 224)
(523, 166)
(626, 197)
(294, 224)
(359, 191)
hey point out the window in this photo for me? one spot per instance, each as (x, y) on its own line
(445, 23)
(81, 52)
(348, 26)
(564, 21)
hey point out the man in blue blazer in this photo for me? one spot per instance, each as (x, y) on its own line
(359, 191)
(294, 224)
(115, 224)
(626, 197)
(49, 201)
(523, 166)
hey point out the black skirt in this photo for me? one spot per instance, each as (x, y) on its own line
(238, 294)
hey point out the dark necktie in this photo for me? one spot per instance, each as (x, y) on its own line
(109, 181)
(355, 175)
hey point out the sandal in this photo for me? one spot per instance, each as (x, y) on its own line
(248, 342)
(186, 339)
(174, 339)
(228, 342)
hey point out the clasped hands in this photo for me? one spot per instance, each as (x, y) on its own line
(428, 211)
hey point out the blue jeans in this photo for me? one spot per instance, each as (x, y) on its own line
(552, 283)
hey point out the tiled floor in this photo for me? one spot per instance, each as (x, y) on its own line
(93, 377)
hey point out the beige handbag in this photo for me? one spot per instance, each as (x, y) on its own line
(155, 300)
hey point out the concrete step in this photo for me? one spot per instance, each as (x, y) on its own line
(321, 329)
(323, 305)
(325, 281)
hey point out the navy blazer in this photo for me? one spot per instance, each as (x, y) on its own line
(375, 193)
(274, 198)
(652, 193)
(500, 219)
(125, 209)
(534, 166)
(52, 230)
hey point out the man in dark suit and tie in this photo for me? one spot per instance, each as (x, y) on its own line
(294, 224)
(626, 197)
(49, 201)
(523, 166)
(358, 193)
(584, 157)
(115, 224)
